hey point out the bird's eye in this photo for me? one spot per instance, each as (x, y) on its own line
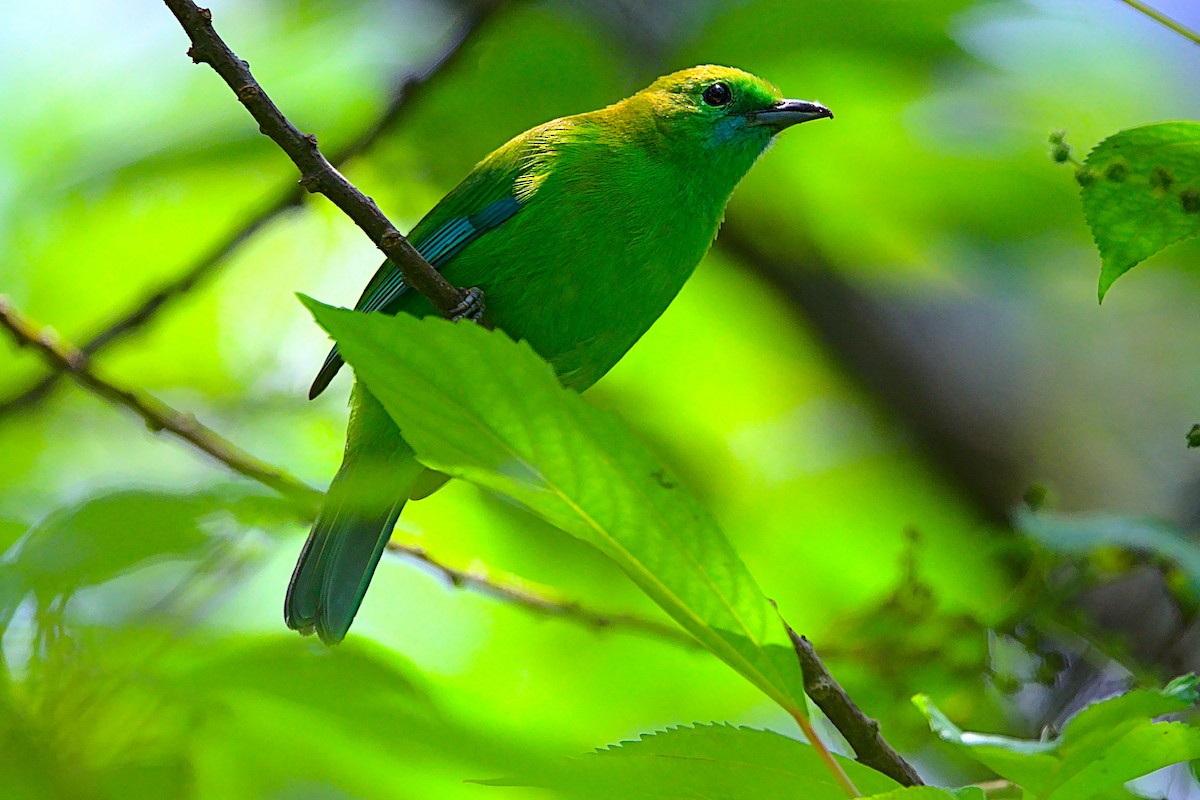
(718, 95)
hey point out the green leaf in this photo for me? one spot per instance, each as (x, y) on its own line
(1101, 748)
(10, 532)
(716, 762)
(931, 793)
(1083, 533)
(109, 535)
(478, 406)
(1023, 762)
(1141, 192)
(248, 716)
(12, 588)
(317, 681)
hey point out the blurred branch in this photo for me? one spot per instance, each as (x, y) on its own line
(407, 90)
(158, 416)
(69, 360)
(316, 173)
(1164, 20)
(540, 604)
(859, 730)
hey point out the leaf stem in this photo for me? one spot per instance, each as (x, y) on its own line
(827, 758)
(1164, 20)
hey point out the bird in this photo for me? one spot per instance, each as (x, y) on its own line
(574, 236)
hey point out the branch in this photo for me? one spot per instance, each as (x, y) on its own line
(859, 730)
(1164, 20)
(540, 604)
(407, 90)
(69, 360)
(157, 415)
(316, 173)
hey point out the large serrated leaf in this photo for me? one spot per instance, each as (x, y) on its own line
(1101, 748)
(1141, 192)
(478, 406)
(715, 762)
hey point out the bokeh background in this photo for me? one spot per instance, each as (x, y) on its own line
(894, 339)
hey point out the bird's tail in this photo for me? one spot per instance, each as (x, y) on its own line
(353, 527)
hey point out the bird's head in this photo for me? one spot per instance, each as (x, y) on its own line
(723, 108)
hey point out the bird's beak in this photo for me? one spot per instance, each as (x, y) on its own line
(786, 113)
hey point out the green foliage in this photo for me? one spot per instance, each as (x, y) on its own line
(104, 537)
(476, 405)
(1141, 192)
(718, 762)
(107, 536)
(96, 704)
(1100, 749)
(135, 663)
(1080, 534)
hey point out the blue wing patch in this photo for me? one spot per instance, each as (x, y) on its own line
(388, 285)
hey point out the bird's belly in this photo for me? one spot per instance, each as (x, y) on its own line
(580, 298)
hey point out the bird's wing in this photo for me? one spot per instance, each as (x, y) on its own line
(494, 191)
(459, 221)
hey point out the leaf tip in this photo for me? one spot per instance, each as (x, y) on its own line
(310, 303)
(1186, 688)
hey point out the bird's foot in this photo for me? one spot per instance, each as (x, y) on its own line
(471, 307)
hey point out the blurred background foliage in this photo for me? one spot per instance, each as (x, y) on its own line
(894, 338)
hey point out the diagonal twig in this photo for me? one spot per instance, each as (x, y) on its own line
(541, 604)
(316, 173)
(1164, 20)
(158, 416)
(860, 731)
(69, 360)
(406, 92)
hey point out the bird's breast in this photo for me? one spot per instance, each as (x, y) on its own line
(592, 260)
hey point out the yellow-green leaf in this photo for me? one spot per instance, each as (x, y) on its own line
(1141, 192)
(478, 406)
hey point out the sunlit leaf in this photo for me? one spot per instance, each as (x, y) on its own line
(716, 762)
(1141, 192)
(478, 406)
(1102, 748)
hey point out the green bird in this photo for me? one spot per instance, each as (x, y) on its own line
(579, 233)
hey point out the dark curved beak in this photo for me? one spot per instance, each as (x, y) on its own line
(786, 113)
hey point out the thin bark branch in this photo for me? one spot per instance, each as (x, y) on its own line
(862, 732)
(541, 604)
(158, 416)
(410, 88)
(72, 362)
(316, 173)
(1164, 20)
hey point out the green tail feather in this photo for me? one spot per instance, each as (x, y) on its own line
(334, 569)
(353, 527)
